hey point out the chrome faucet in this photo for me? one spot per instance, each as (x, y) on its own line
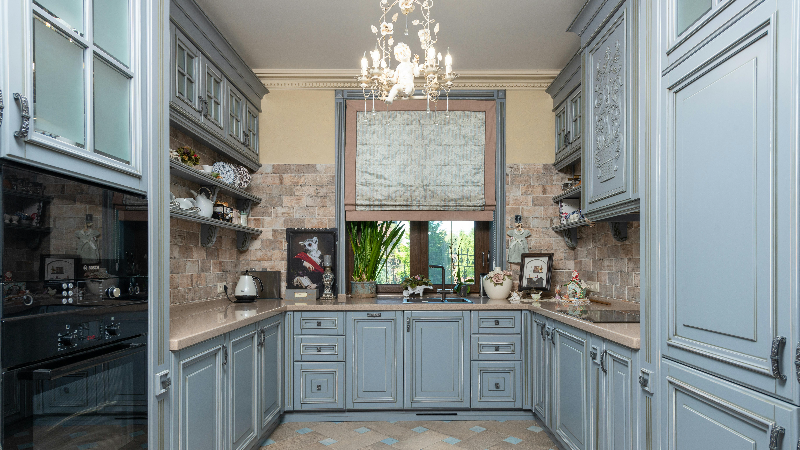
(442, 290)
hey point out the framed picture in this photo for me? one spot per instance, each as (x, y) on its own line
(535, 271)
(306, 249)
(58, 267)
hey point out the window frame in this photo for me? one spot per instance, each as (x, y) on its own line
(34, 11)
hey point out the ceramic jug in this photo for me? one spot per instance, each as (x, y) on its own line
(203, 201)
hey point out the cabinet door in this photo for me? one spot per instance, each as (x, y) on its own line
(540, 369)
(186, 74)
(270, 372)
(213, 97)
(570, 420)
(729, 104)
(242, 387)
(575, 118)
(318, 385)
(374, 362)
(436, 359)
(251, 129)
(496, 384)
(200, 393)
(704, 412)
(616, 419)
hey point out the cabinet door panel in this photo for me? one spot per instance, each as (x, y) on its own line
(243, 386)
(270, 373)
(570, 388)
(319, 385)
(725, 114)
(374, 361)
(497, 322)
(497, 384)
(618, 422)
(541, 367)
(201, 395)
(186, 74)
(319, 323)
(437, 375)
(319, 348)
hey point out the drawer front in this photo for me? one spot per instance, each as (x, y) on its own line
(496, 347)
(318, 385)
(319, 348)
(319, 323)
(497, 384)
(497, 322)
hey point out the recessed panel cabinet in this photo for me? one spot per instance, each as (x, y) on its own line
(375, 367)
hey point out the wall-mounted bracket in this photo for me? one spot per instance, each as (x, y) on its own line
(208, 234)
(243, 239)
(244, 205)
(571, 237)
(619, 230)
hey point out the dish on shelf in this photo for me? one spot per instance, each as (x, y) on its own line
(243, 178)
(226, 172)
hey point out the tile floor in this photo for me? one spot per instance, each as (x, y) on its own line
(428, 435)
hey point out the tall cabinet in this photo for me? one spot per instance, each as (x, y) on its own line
(727, 82)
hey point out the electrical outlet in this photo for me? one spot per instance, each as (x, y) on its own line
(220, 288)
(593, 286)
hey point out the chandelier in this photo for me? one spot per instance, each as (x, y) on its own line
(380, 81)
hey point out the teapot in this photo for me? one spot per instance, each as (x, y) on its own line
(203, 201)
(246, 290)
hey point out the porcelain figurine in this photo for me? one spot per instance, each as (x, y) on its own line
(403, 77)
(518, 244)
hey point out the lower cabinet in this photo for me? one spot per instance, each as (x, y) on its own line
(497, 384)
(318, 385)
(375, 361)
(570, 359)
(436, 359)
(228, 388)
(540, 373)
(615, 425)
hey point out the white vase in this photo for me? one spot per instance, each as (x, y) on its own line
(499, 292)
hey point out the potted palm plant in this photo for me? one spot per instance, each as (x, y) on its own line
(372, 243)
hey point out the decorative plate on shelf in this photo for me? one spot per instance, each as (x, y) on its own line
(225, 171)
(243, 178)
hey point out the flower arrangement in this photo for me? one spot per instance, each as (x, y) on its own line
(498, 276)
(413, 282)
(188, 156)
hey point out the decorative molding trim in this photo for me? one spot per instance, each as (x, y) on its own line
(285, 79)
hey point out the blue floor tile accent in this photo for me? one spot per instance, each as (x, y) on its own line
(328, 441)
(361, 430)
(513, 440)
(267, 442)
(304, 430)
(451, 440)
(501, 421)
(477, 429)
(535, 429)
(390, 441)
(392, 421)
(447, 421)
(419, 429)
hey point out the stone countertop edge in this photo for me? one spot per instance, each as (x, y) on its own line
(193, 323)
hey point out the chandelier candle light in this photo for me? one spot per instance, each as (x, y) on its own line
(381, 81)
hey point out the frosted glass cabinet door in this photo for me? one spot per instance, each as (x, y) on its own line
(112, 112)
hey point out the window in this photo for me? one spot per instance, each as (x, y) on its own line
(82, 76)
(214, 96)
(235, 110)
(464, 246)
(185, 73)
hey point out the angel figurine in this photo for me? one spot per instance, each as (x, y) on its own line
(403, 77)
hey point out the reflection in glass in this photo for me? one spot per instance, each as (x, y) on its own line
(112, 123)
(235, 115)
(214, 96)
(70, 12)
(688, 11)
(185, 63)
(576, 117)
(58, 93)
(111, 30)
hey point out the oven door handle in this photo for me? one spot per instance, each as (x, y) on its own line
(70, 368)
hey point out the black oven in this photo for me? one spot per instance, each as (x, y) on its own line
(73, 316)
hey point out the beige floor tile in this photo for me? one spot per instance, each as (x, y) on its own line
(442, 446)
(304, 441)
(421, 441)
(358, 441)
(393, 430)
(482, 440)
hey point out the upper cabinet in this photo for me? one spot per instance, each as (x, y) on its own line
(566, 93)
(74, 88)
(216, 98)
(610, 165)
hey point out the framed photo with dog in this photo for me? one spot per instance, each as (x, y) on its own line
(535, 271)
(306, 250)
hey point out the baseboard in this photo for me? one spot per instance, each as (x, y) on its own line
(386, 416)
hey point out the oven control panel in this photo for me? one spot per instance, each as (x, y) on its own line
(88, 333)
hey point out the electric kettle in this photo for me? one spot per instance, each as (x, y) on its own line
(246, 290)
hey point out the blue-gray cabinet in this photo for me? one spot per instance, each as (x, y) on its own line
(242, 387)
(375, 360)
(568, 109)
(612, 390)
(318, 385)
(540, 373)
(570, 386)
(496, 385)
(318, 375)
(199, 396)
(436, 359)
(270, 358)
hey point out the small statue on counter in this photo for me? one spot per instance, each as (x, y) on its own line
(576, 288)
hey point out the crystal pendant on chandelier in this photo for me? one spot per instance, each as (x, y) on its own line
(379, 80)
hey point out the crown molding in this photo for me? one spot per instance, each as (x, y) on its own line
(286, 79)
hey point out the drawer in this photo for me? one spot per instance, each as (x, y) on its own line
(319, 323)
(497, 384)
(497, 322)
(318, 385)
(494, 347)
(319, 348)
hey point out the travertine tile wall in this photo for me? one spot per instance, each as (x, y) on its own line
(598, 257)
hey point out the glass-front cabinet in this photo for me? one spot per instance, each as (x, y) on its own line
(71, 86)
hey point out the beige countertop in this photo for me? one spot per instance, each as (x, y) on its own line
(196, 322)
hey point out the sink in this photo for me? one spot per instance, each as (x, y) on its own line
(610, 316)
(436, 300)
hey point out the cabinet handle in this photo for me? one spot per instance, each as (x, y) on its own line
(797, 371)
(203, 107)
(775, 357)
(26, 116)
(552, 334)
(2, 107)
(319, 349)
(642, 381)
(496, 323)
(497, 385)
(319, 324)
(603, 361)
(261, 337)
(246, 140)
(775, 433)
(408, 324)
(224, 355)
(497, 348)
(593, 354)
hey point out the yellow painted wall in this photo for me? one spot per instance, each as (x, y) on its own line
(297, 127)
(529, 127)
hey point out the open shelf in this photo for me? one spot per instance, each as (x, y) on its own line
(181, 170)
(209, 228)
(574, 192)
(567, 226)
(13, 193)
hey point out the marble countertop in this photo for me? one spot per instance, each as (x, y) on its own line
(196, 322)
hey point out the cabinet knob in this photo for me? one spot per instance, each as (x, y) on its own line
(319, 324)
(497, 385)
(319, 387)
(319, 349)
(497, 348)
(496, 322)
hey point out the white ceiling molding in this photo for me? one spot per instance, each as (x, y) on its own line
(287, 79)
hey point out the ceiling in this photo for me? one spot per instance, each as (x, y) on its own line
(483, 35)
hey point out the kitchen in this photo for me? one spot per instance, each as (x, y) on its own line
(696, 371)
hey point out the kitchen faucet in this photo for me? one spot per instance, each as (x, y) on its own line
(442, 290)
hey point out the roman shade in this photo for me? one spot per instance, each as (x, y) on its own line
(402, 166)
